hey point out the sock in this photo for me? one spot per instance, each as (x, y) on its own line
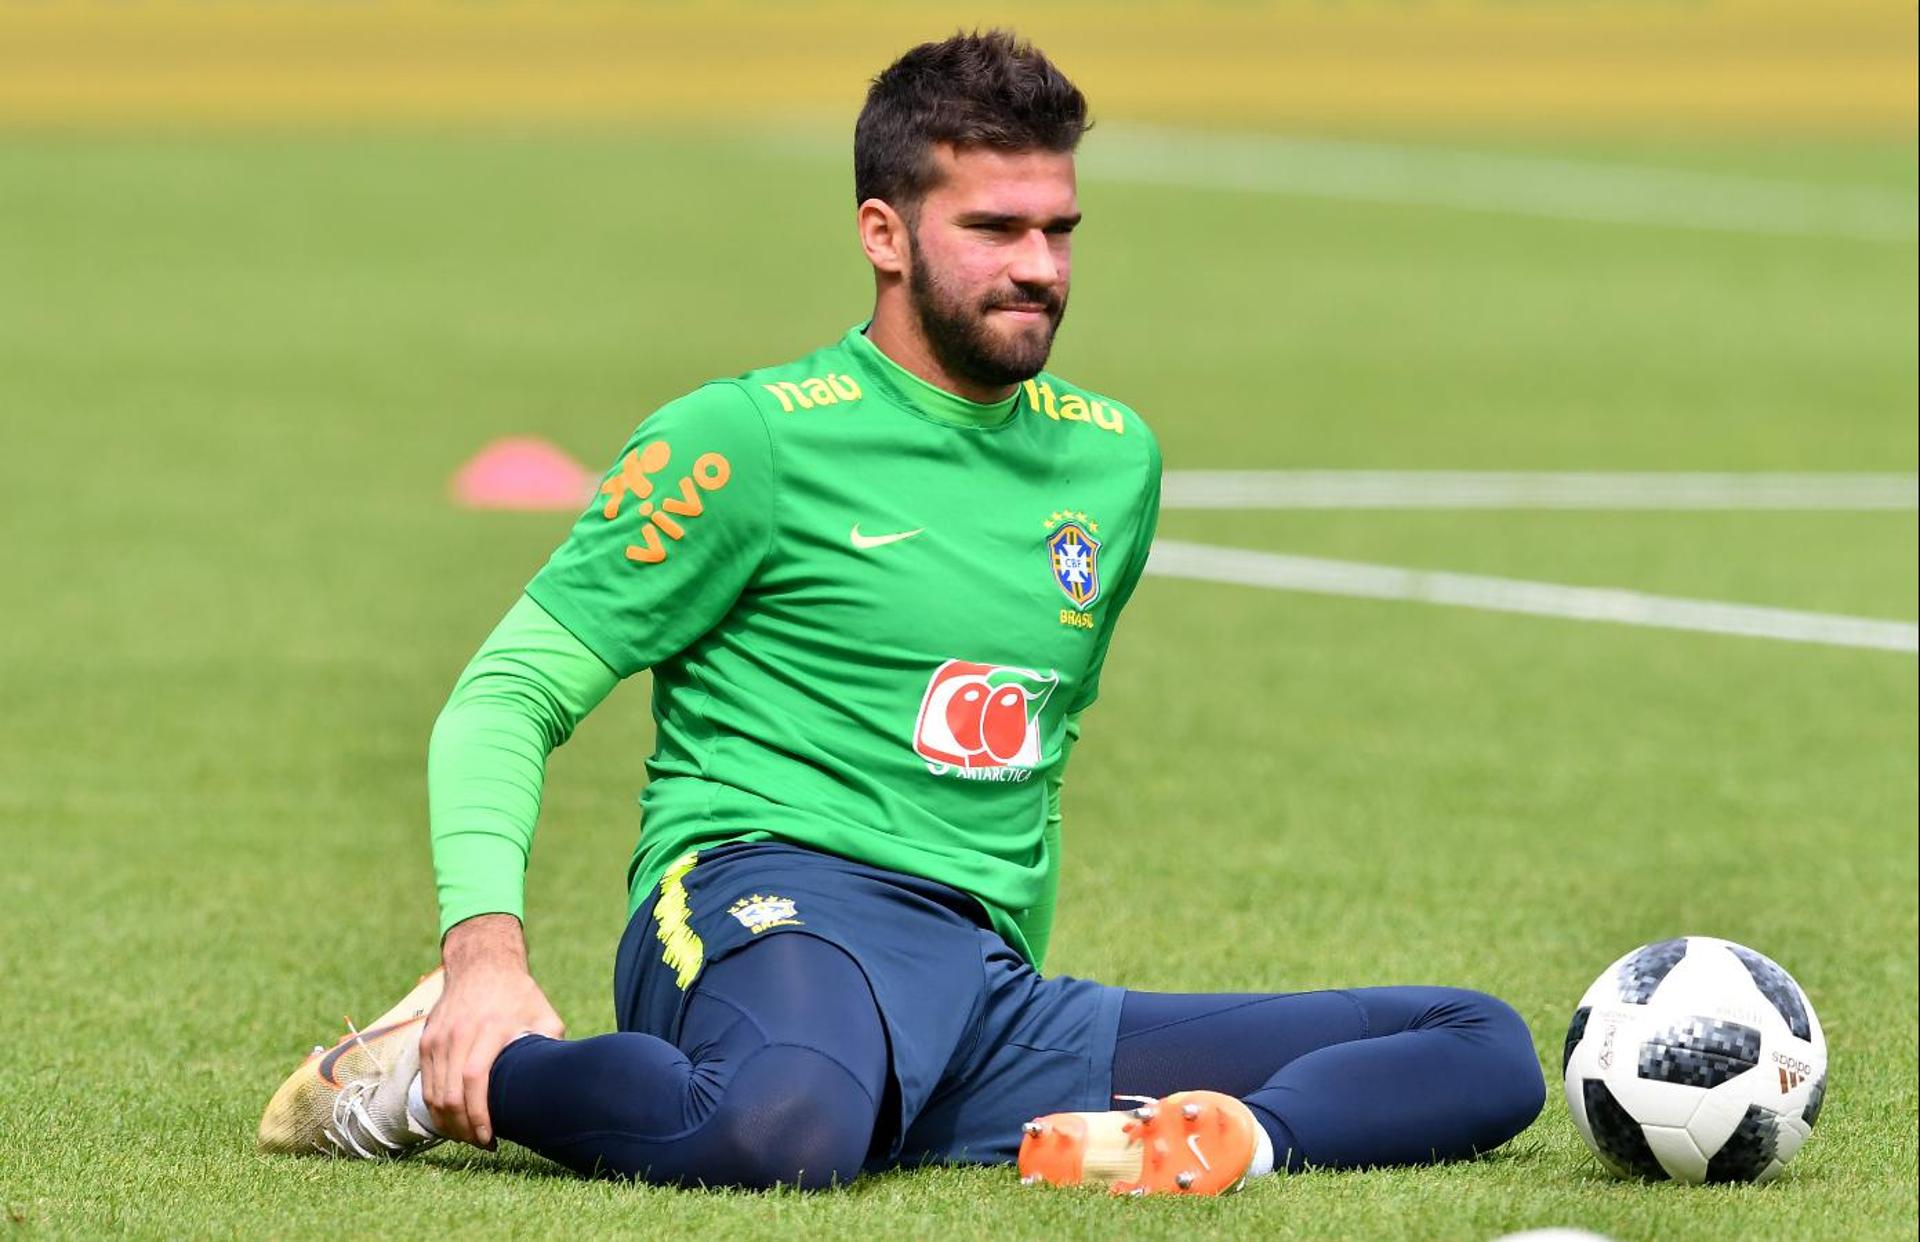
(417, 1109)
(1276, 1144)
(417, 1101)
(1262, 1153)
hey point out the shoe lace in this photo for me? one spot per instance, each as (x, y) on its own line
(352, 1125)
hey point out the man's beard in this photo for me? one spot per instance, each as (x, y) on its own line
(958, 335)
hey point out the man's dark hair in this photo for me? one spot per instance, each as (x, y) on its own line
(989, 89)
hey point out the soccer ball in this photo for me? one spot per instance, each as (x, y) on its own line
(1695, 1059)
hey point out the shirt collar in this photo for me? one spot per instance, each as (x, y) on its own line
(919, 397)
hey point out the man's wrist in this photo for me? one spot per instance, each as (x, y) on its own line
(485, 940)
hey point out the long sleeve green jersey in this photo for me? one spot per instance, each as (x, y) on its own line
(870, 608)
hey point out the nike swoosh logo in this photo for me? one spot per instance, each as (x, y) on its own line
(880, 541)
(348, 1044)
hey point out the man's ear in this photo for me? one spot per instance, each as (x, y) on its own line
(884, 236)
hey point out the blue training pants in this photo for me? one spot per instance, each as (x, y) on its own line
(780, 1075)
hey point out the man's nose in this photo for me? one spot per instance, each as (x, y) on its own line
(1034, 262)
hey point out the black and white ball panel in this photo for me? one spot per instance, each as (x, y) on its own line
(1745, 1155)
(1646, 968)
(1576, 1029)
(1811, 1113)
(1700, 1052)
(1778, 987)
(1617, 1136)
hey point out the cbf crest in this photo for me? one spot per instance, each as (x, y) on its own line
(1074, 555)
(764, 910)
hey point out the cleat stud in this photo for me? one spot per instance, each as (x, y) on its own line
(1031, 1179)
(1186, 1179)
(1190, 1111)
(1035, 1128)
(1137, 1191)
(1146, 1112)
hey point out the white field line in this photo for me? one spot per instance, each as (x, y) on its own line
(1523, 185)
(1174, 559)
(1468, 489)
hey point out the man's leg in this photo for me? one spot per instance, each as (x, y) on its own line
(1370, 1076)
(778, 1079)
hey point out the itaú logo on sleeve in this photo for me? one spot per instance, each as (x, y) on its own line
(981, 722)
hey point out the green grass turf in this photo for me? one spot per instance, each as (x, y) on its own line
(236, 375)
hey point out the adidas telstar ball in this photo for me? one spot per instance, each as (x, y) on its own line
(1695, 1059)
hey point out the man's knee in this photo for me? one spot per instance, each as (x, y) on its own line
(1484, 1017)
(1515, 1090)
(791, 1117)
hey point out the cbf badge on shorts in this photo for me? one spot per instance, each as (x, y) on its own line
(762, 911)
(1074, 556)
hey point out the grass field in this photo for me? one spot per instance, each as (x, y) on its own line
(237, 373)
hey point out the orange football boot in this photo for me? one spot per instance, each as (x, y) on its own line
(1190, 1143)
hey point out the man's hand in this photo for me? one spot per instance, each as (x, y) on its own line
(490, 998)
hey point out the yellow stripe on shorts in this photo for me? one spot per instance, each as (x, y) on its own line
(683, 948)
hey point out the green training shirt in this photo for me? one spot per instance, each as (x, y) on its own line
(870, 607)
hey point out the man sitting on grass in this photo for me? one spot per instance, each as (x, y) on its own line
(875, 587)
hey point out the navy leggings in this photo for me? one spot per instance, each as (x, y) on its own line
(782, 1068)
(1344, 1079)
(780, 1081)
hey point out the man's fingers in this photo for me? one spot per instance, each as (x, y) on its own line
(444, 1092)
(444, 1102)
(433, 1046)
(462, 1040)
(473, 1088)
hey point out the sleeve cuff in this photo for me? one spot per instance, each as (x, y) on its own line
(491, 880)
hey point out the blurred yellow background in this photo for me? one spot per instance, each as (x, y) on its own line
(1746, 68)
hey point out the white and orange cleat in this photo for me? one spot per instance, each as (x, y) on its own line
(351, 1099)
(1190, 1143)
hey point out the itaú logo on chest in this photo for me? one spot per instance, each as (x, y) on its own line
(982, 721)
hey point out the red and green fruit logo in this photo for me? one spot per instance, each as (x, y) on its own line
(978, 717)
